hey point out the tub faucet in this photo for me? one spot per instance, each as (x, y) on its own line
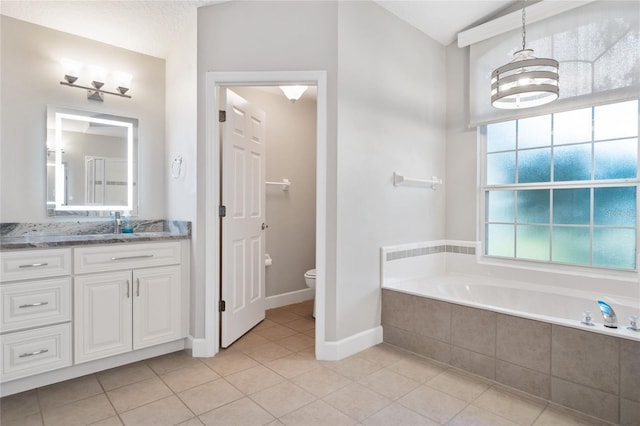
(610, 319)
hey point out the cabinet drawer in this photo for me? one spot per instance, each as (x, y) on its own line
(28, 264)
(35, 303)
(127, 256)
(35, 351)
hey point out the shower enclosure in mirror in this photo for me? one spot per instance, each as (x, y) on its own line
(91, 163)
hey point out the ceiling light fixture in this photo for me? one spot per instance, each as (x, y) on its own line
(526, 81)
(293, 93)
(98, 77)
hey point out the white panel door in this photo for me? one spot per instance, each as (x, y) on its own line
(102, 315)
(157, 306)
(243, 243)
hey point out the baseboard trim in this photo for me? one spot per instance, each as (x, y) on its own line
(334, 351)
(289, 298)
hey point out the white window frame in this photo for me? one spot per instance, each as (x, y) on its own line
(549, 266)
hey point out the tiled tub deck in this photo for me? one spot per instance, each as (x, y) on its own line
(589, 372)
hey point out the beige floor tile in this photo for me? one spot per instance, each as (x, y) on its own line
(383, 354)
(309, 353)
(109, 421)
(192, 422)
(321, 382)
(304, 309)
(282, 316)
(168, 411)
(267, 352)
(292, 365)
(460, 385)
(353, 368)
(125, 375)
(83, 412)
(515, 407)
(297, 342)
(310, 333)
(558, 416)
(248, 341)
(19, 405)
(479, 417)
(433, 404)
(137, 394)
(282, 398)
(173, 361)
(243, 412)
(254, 379)
(318, 413)
(68, 391)
(357, 401)
(265, 323)
(302, 325)
(209, 396)
(390, 384)
(29, 420)
(189, 377)
(397, 415)
(228, 362)
(276, 332)
(416, 368)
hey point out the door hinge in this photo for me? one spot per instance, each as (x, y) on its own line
(222, 211)
(222, 116)
(223, 306)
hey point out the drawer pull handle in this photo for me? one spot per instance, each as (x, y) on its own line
(33, 265)
(26, 354)
(138, 287)
(143, 256)
(33, 305)
(128, 284)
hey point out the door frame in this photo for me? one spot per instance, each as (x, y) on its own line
(212, 255)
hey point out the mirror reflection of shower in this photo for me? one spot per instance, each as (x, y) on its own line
(105, 180)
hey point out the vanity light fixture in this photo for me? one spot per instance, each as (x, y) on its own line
(526, 81)
(98, 77)
(293, 93)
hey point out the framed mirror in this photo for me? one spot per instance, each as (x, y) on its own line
(92, 163)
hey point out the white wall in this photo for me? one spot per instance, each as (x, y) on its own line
(391, 117)
(31, 73)
(291, 215)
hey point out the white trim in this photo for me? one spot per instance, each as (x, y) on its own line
(214, 80)
(535, 12)
(334, 351)
(285, 299)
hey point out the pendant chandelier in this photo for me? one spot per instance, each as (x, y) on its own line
(526, 81)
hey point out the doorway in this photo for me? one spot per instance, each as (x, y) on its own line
(214, 82)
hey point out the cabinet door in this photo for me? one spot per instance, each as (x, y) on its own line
(102, 315)
(157, 306)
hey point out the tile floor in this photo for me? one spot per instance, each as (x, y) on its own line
(271, 377)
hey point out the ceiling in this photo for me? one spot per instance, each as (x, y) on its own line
(152, 27)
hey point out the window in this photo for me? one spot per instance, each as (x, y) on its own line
(563, 187)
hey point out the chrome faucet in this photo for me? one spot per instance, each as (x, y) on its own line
(117, 223)
(610, 319)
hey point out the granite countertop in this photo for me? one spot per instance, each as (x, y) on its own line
(15, 236)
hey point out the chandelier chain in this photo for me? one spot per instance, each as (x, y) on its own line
(524, 28)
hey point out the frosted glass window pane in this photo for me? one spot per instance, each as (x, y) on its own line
(534, 132)
(501, 168)
(500, 240)
(614, 206)
(500, 206)
(534, 165)
(572, 162)
(616, 159)
(501, 136)
(532, 242)
(614, 248)
(615, 121)
(571, 245)
(533, 206)
(571, 206)
(572, 126)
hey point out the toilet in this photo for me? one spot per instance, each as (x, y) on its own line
(310, 279)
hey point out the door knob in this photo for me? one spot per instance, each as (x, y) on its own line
(264, 226)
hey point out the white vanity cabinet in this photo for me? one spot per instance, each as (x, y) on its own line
(35, 319)
(127, 297)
